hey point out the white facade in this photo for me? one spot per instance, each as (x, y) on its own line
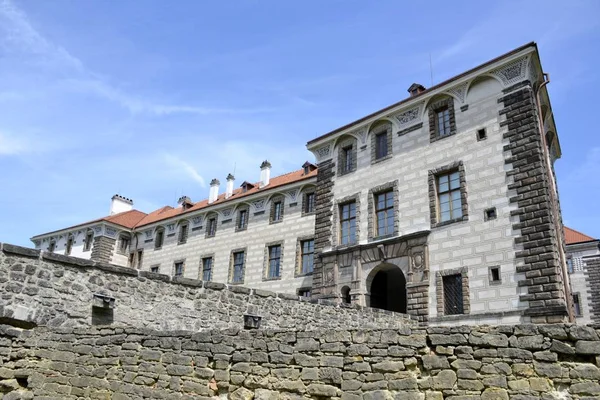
(580, 255)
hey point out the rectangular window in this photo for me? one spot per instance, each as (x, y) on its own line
(381, 145)
(89, 239)
(211, 227)
(123, 244)
(207, 264)
(309, 203)
(570, 268)
(348, 223)
(274, 262)
(442, 116)
(158, 242)
(277, 211)
(140, 256)
(242, 219)
(577, 305)
(52, 247)
(495, 275)
(183, 233)
(453, 294)
(131, 260)
(384, 213)
(155, 269)
(347, 159)
(449, 196)
(69, 246)
(304, 292)
(238, 267)
(308, 249)
(178, 268)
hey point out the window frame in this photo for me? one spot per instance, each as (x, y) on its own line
(184, 232)
(336, 238)
(270, 258)
(576, 299)
(446, 103)
(352, 222)
(87, 244)
(203, 269)
(51, 246)
(124, 243)
(155, 269)
(175, 263)
(211, 226)
(275, 201)
(441, 296)
(306, 210)
(159, 233)
(242, 224)
(347, 151)
(69, 245)
(377, 131)
(233, 262)
(434, 195)
(309, 254)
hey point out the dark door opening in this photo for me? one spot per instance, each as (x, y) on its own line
(388, 290)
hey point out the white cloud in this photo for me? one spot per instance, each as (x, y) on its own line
(179, 164)
(10, 145)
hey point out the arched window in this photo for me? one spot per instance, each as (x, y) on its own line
(345, 292)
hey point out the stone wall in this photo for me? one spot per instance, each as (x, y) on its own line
(40, 288)
(523, 362)
(592, 274)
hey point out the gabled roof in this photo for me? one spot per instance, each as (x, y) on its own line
(572, 236)
(127, 219)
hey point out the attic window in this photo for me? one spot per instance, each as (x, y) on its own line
(246, 186)
(306, 171)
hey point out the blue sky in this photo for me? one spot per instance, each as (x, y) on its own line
(153, 99)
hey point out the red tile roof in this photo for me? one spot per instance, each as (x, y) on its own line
(572, 236)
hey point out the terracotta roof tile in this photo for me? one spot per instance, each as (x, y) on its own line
(572, 236)
(278, 181)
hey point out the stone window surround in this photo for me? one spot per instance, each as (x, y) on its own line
(433, 108)
(87, 245)
(208, 218)
(69, 247)
(245, 226)
(265, 275)
(153, 266)
(201, 269)
(158, 230)
(383, 126)
(578, 296)
(276, 199)
(393, 185)
(231, 259)
(120, 249)
(335, 236)
(440, 290)
(433, 196)
(180, 260)
(493, 282)
(304, 199)
(298, 270)
(347, 142)
(181, 224)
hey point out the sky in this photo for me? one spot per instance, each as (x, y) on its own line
(152, 99)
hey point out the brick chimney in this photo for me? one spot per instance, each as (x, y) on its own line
(120, 204)
(213, 194)
(265, 173)
(229, 187)
(415, 89)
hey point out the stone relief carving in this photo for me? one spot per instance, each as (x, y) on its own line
(171, 227)
(111, 232)
(197, 220)
(148, 233)
(98, 229)
(459, 92)
(293, 194)
(419, 270)
(361, 134)
(323, 152)
(513, 72)
(408, 116)
(259, 204)
(227, 212)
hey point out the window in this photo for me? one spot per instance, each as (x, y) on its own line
(207, 263)
(384, 213)
(307, 248)
(140, 256)
(577, 305)
(52, 246)
(183, 233)
(155, 269)
(276, 210)
(570, 265)
(123, 244)
(346, 298)
(211, 227)
(453, 294)
(131, 260)
(158, 241)
(242, 220)
(442, 116)
(381, 145)
(481, 135)
(348, 223)
(238, 267)
(89, 239)
(304, 292)
(69, 245)
(274, 268)
(449, 196)
(309, 203)
(347, 159)
(178, 270)
(490, 214)
(495, 275)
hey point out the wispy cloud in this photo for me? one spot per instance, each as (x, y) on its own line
(179, 164)
(12, 145)
(18, 35)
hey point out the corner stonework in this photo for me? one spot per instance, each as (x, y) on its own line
(103, 249)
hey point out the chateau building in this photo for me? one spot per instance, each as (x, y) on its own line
(443, 206)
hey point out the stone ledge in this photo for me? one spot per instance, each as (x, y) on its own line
(154, 276)
(79, 262)
(239, 289)
(22, 251)
(116, 269)
(187, 281)
(214, 285)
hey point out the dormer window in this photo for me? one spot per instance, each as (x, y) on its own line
(246, 186)
(308, 168)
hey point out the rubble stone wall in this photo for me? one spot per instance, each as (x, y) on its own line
(40, 288)
(523, 362)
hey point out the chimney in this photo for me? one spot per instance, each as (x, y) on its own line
(120, 204)
(265, 173)
(213, 194)
(185, 202)
(416, 89)
(229, 187)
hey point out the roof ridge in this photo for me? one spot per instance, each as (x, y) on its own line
(581, 233)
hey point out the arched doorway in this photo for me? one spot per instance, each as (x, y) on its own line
(388, 288)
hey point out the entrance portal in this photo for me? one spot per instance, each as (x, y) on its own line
(388, 289)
